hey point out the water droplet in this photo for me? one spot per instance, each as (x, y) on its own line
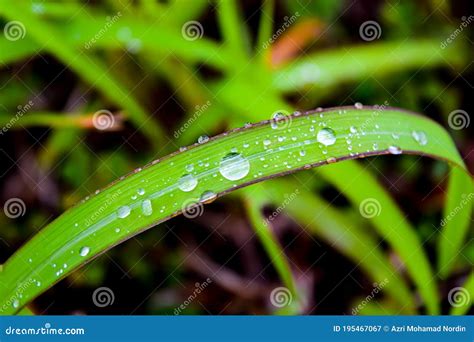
(208, 196)
(331, 160)
(266, 142)
(187, 183)
(38, 283)
(394, 150)
(147, 208)
(124, 211)
(117, 230)
(395, 136)
(302, 153)
(141, 191)
(202, 139)
(358, 105)
(326, 136)
(352, 129)
(375, 146)
(420, 137)
(189, 167)
(16, 303)
(84, 251)
(234, 166)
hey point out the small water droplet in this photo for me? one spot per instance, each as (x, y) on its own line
(187, 183)
(208, 196)
(189, 167)
(147, 209)
(331, 160)
(141, 191)
(266, 142)
(394, 150)
(358, 105)
(123, 211)
(352, 129)
(234, 166)
(84, 251)
(117, 230)
(326, 136)
(302, 153)
(420, 137)
(202, 139)
(38, 283)
(16, 303)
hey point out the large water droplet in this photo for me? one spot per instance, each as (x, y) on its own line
(326, 136)
(187, 183)
(420, 137)
(124, 211)
(234, 166)
(84, 251)
(147, 208)
(394, 150)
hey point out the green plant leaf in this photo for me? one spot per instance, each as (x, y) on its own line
(227, 162)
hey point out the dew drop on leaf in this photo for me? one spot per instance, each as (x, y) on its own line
(202, 139)
(208, 196)
(84, 251)
(394, 150)
(123, 211)
(234, 166)
(420, 137)
(147, 209)
(326, 136)
(187, 183)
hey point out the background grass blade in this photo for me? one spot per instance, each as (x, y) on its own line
(387, 218)
(154, 193)
(456, 220)
(343, 234)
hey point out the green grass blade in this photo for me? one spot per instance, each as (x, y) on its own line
(153, 194)
(456, 220)
(254, 200)
(344, 235)
(361, 187)
(89, 68)
(462, 298)
(329, 68)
